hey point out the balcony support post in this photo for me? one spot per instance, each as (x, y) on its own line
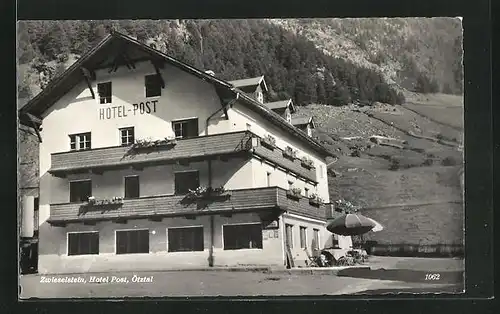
(212, 236)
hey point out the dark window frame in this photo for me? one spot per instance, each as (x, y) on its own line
(105, 92)
(231, 241)
(80, 141)
(185, 128)
(127, 136)
(87, 243)
(180, 190)
(132, 245)
(152, 85)
(303, 237)
(179, 239)
(127, 191)
(79, 198)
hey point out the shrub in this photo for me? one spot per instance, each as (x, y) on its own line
(449, 161)
(428, 162)
(394, 165)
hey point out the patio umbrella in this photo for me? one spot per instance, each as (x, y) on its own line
(351, 224)
(378, 226)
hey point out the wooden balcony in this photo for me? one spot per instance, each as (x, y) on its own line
(157, 207)
(197, 148)
(115, 157)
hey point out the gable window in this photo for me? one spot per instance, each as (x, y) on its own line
(288, 116)
(104, 91)
(132, 187)
(248, 236)
(185, 181)
(303, 239)
(132, 241)
(83, 243)
(185, 239)
(127, 136)
(80, 141)
(79, 191)
(153, 85)
(185, 128)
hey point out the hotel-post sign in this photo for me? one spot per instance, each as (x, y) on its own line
(123, 111)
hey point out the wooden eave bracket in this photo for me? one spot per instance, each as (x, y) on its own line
(158, 65)
(89, 76)
(35, 123)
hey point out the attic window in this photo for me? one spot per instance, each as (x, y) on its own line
(153, 85)
(104, 91)
(260, 97)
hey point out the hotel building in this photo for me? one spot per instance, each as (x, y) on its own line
(148, 163)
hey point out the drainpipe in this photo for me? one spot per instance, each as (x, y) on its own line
(229, 104)
(212, 235)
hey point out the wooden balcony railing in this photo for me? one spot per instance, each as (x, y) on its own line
(190, 148)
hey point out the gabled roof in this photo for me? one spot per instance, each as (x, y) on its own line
(99, 57)
(250, 82)
(301, 121)
(281, 105)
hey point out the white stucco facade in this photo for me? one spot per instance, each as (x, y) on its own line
(185, 96)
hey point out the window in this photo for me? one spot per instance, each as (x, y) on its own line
(153, 85)
(309, 131)
(288, 116)
(80, 141)
(185, 181)
(268, 178)
(185, 128)
(303, 237)
(132, 187)
(315, 243)
(79, 191)
(289, 235)
(185, 239)
(260, 97)
(132, 241)
(321, 171)
(290, 185)
(242, 236)
(127, 136)
(83, 243)
(249, 127)
(306, 192)
(104, 91)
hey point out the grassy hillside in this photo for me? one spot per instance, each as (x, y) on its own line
(414, 190)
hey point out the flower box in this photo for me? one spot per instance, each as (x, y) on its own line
(268, 142)
(307, 163)
(290, 153)
(208, 193)
(315, 200)
(294, 193)
(114, 201)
